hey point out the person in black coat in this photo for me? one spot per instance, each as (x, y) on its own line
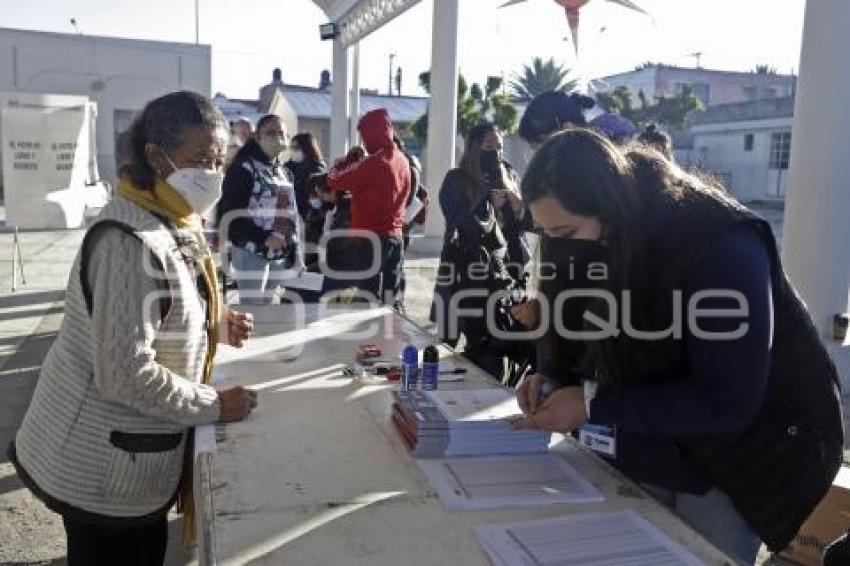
(680, 350)
(305, 160)
(485, 224)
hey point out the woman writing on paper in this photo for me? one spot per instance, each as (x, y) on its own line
(679, 348)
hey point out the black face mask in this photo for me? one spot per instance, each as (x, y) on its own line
(571, 263)
(571, 257)
(490, 161)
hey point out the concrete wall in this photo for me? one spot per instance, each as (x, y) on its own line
(726, 88)
(121, 75)
(719, 148)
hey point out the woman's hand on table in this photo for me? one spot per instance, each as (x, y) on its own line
(236, 403)
(239, 327)
(563, 410)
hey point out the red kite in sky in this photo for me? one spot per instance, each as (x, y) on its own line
(572, 7)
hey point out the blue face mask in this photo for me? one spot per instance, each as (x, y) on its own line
(315, 203)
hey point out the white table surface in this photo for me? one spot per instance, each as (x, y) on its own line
(318, 475)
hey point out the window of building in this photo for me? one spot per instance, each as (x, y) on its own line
(780, 150)
(750, 92)
(749, 142)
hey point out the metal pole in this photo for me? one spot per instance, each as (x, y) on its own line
(197, 22)
(15, 260)
(390, 78)
(20, 256)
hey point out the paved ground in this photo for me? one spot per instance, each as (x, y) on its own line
(29, 321)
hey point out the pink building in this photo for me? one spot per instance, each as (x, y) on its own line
(711, 86)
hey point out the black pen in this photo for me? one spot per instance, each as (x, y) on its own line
(455, 371)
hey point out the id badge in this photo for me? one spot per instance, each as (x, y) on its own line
(602, 439)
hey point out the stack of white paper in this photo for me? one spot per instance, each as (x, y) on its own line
(598, 539)
(473, 422)
(484, 482)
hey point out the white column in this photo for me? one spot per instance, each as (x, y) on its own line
(354, 103)
(442, 108)
(816, 243)
(340, 101)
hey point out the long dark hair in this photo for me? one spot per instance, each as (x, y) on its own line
(164, 122)
(624, 188)
(307, 144)
(470, 162)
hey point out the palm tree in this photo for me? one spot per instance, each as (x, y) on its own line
(539, 77)
(475, 104)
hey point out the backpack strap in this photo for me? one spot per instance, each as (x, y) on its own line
(89, 239)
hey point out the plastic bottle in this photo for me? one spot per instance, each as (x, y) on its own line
(430, 368)
(409, 368)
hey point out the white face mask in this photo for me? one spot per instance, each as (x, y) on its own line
(273, 146)
(316, 202)
(200, 187)
(297, 155)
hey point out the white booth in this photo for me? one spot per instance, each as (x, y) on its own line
(49, 168)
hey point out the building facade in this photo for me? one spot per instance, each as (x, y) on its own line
(308, 109)
(746, 145)
(120, 75)
(711, 86)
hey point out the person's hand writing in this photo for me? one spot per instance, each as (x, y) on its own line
(562, 411)
(528, 392)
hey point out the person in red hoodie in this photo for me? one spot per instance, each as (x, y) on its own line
(379, 186)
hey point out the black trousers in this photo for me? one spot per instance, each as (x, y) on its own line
(385, 284)
(101, 545)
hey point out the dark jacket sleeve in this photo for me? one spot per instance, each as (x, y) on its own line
(236, 194)
(455, 209)
(727, 378)
(547, 368)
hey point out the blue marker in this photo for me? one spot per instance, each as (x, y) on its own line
(409, 368)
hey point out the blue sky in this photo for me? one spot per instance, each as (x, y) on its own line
(250, 37)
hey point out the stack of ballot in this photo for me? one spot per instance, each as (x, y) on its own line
(474, 422)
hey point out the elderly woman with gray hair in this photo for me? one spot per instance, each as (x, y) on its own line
(105, 441)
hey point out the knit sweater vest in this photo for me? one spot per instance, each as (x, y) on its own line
(102, 446)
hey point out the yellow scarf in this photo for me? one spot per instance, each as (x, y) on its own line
(165, 201)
